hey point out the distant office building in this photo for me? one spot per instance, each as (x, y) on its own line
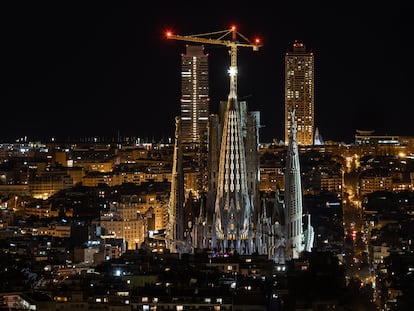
(373, 182)
(366, 137)
(194, 95)
(299, 93)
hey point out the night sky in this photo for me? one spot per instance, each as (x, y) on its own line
(100, 68)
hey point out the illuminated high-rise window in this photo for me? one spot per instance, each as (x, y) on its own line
(194, 95)
(299, 93)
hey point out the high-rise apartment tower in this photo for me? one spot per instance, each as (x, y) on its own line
(299, 93)
(194, 95)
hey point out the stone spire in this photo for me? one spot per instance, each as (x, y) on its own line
(232, 224)
(293, 198)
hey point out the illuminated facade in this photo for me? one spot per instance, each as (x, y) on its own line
(233, 194)
(227, 223)
(194, 95)
(233, 218)
(295, 238)
(299, 93)
(175, 226)
(123, 221)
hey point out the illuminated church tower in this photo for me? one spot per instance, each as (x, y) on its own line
(293, 198)
(233, 172)
(175, 229)
(228, 220)
(233, 177)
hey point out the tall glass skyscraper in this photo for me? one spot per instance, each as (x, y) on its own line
(194, 95)
(299, 93)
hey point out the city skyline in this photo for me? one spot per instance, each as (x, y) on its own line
(90, 70)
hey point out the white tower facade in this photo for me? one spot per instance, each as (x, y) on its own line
(194, 95)
(293, 198)
(233, 228)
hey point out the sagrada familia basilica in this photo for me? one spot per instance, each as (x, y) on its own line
(232, 216)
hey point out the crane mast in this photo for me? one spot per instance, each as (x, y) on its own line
(221, 38)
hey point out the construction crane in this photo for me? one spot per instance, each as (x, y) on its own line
(222, 38)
